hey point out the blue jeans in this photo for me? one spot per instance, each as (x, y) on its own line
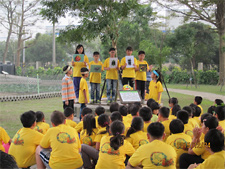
(82, 106)
(95, 87)
(76, 83)
(111, 85)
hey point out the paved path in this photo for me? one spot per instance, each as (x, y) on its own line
(205, 95)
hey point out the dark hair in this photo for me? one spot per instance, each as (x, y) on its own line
(189, 110)
(164, 112)
(183, 116)
(89, 123)
(156, 130)
(211, 122)
(28, 118)
(57, 118)
(114, 106)
(218, 102)
(175, 109)
(204, 116)
(198, 99)
(173, 100)
(133, 109)
(117, 129)
(39, 116)
(7, 161)
(78, 47)
(137, 124)
(145, 113)
(220, 111)
(65, 68)
(138, 104)
(149, 102)
(112, 49)
(116, 116)
(215, 140)
(104, 121)
(83, 69)
(86, 110)
(197, 111)
(100, 110)
(123, 110)
(154, 106)
(141, 52)
(193, 106)
(176, 126)
(211, 110)
(68, 111)
(159, 78)
(96, 53)
(129, 48)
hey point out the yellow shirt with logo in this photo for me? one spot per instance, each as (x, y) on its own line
(188, 129)
(200, 149)
(154, 89)
(42, 127)
(110, 158)
(155, 155)
(4, 137)
(78, 65)
(65, 145)
(113, 72)
(128, 72)
(141, 75)
(138, 139)
(166, 124)
(71, 123)
(24, 145)
(79, 127)
(94, 76)
(83, 86)
(146, 126)
(86, 139)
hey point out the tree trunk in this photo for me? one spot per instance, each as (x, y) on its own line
(114, 45)
(193, 73)
(7, 44)
(222, 58)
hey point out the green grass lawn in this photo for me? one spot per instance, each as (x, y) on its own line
(201, 88)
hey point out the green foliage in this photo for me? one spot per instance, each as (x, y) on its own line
(18, 71)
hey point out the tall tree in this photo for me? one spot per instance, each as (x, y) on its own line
(211, 11)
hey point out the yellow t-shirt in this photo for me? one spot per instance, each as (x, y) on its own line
(155, 154)
(79, 126)
(78, 66)
(138, 139)
(197, 119)
(154, 89)
(172, 117)
(86, 139)
(4, 137)
(83, 86)
(65, 145)
(201, 109)
(216, 160)
(166, 124)
(146, 126)
(200, 149)
(141, 75)
(112, 73)
(222, 124)
(42, 127)
(188, 129)
(180, 142)
(24, 145)
(129, 119)
(154, 118)
(110, 158)
(126, 118)
(71, 123)
(99, 136)
(94, 76)
(128, 72)
(193, 122)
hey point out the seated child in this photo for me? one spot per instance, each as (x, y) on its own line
(7, 161)
(134, 112)
(146, 114)
(219, 102)
(135, 135)
(69, 114)
(198, 101)
(98, 111)
(191, 121)
(114, 106)
(4, 138)
(25, 142)
(196, 113)
(174, 111)
(211, 110)
(155, 110)
(124, 111)
(155, 154)
(64, 143)
(113, 148)
(172, 101)
(163, 118)
(220, 115)
(41, 125)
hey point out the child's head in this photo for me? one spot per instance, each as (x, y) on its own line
(112, 52)
(79, 49)
(196, 110)
(57, 118)
(155, 131)
(149, 102)
(114, 106)
(198, 100)
(145, 113)
(219, 102)
(176, 126)
(137, 124)
(183, 116)
(133, 109)
(89, 123)
(175, 109)
(129, 51)
(220, 112)
(215, 140)
(86, 111)
(211, 110)
(99, 110)
(141, 55)
(96, 56)
(155, 107)
(7, 161)
(164, 113)
(210, 122)
(28, 119)
(156, 75)
(173, 101)
(123, 110)
(40, 117)
(138, 104)
(116, 129)
(69, 112)
(103, 120)
(67, 70)
(204, 116)
(189, 110)
(84, 72)
(116, 116)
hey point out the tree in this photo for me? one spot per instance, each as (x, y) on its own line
(211, 11)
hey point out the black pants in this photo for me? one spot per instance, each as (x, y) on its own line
(140, 86)
(71, 102)
(188, 159)
(128, 81)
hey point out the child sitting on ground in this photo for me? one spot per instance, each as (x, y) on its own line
(196, 113)
(163, 118)
(146, 114)
(190, 111)
(173, 114)
(114, 106)
(134, 112)
(41, 125)
(25, 142)
(98, 111)
(155, 110)
(69, 114)
(198, 101)
(172, 102)
(220, 115)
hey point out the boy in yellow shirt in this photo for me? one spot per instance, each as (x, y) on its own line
(146, 114)
(41, 125)
(25, 142)
(4, 137)
(163, 118)
(128, 73)
(220, 115)
(198, 101)
(64, 143)
(69, 114)
(98, 111)
(95, 79)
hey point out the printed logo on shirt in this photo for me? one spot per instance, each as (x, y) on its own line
(64, 137)
(38, 129)
(107, 149)
(18, 140)
(180, 143)
(87, 140)
(142, 142)
(160, 159)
